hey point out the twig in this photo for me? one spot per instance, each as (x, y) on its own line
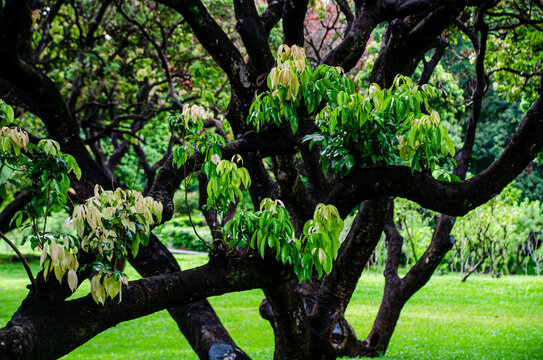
(23, 260)
(410, 241)
(188, 208)
(474, 267)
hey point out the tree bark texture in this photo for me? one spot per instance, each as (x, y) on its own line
(307, 318)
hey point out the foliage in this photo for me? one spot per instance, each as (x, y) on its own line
(110, 224)
(225, 179)
(503, 236)
(180, 204)
(499, 119)
(271, 227)
(190, 124)
(179, 233)
(122, 68)
(42, 171)
(385, 126)
(512, 64)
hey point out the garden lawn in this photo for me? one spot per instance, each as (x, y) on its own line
(484, 318)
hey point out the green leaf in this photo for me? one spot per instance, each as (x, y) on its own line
(327, 264)
(8, 110)
(261, 240)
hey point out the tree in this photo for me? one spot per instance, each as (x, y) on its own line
(95, 76)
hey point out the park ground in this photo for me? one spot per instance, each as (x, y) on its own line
(484, 318)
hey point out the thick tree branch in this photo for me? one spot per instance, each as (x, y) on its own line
(272, 14)
(346, 10)
(430, 66)
(213, 39)
(349, 51)
(406, 40)
(254, 35)
(293, 22)
(369, 15)
(337, 287)
(75, 322)
(454, 198)
(394, 245)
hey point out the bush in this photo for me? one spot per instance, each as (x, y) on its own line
(178, 233)
(503, 236)
(180, 206)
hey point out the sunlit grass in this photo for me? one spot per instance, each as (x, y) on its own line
(484, 318)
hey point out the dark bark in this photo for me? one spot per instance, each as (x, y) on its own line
(27, 335)
(349, 51)
(454, 198)
(289, 321)
(293, 22)
(317, 183)
(272, 14)
(399, 290)
(292, 191)
(464, 155)
(406, 40)
(53, 111)
(41, 96)
(429, 66)
(197, 320)
(336, 336)
(343, 5)
(337, 288)
(308, 319)
(254, 35)
(252, 146)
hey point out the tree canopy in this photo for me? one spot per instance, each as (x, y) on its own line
(287, 117)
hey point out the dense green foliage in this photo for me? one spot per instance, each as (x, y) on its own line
(503, 236)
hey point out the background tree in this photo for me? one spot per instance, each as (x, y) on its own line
(102, 78)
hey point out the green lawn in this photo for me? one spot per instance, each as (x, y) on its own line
(485, 318)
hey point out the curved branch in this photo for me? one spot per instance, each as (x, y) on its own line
(453, 198)
(267, 142)
(338, 287)
(272, 14)
(346, 10)
(213, 39)
(349, 51)
(254, 35)
(75, 322)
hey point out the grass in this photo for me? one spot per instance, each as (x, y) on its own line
(484, 318)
